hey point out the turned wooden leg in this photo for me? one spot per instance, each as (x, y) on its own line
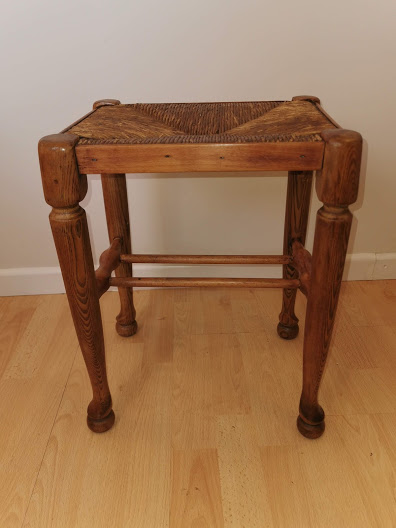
(299, 187)
(64, 188)
(117, 215)
(337, 186)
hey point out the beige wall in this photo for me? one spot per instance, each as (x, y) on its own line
(61, 56)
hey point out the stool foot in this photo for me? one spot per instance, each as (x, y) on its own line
(127, 330)
(308, 430)
(103, 425)
(287, 332)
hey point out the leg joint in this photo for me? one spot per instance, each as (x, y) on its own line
(109, 260)
(302, 263)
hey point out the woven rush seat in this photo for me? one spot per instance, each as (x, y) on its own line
(266, 121)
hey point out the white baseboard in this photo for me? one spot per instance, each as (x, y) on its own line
(30, 281)
(35, 281)
(385, 266)
(360, 266)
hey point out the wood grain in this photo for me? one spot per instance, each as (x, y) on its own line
(244, 493)
(31, 389)
(157, 328)
(298, 198)
(338, 182)
(337, 186)
(59, 172)
(311, 98)
(353, 503)
(109, 260)
(165, 282)
(287, 493)
(193, 416)
(63, 188)
(14, 321)
(105, 102)
(274, 139)
(207, 259)
(171, 433)
(117, 217)
(99, 159)
(196, 493)
(70, 231)
(330, 245)
(302, 262)
(140, 469)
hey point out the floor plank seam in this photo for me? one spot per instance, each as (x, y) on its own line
(49, 436)
(390, 413)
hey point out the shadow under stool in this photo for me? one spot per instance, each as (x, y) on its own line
(295, 136)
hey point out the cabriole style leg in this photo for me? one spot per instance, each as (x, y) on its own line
(64, 188)
(337, 187)
(299, 187)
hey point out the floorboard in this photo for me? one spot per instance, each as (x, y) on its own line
(206, 398)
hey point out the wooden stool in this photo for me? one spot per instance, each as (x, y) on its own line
(114, 139)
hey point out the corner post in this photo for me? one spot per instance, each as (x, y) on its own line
(337, 187)
(64, 188)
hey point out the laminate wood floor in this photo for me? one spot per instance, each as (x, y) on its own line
(206, 397)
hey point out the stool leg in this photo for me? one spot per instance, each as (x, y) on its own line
(337, 187)
(298, 198)
(64, 188)
(117, 216)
